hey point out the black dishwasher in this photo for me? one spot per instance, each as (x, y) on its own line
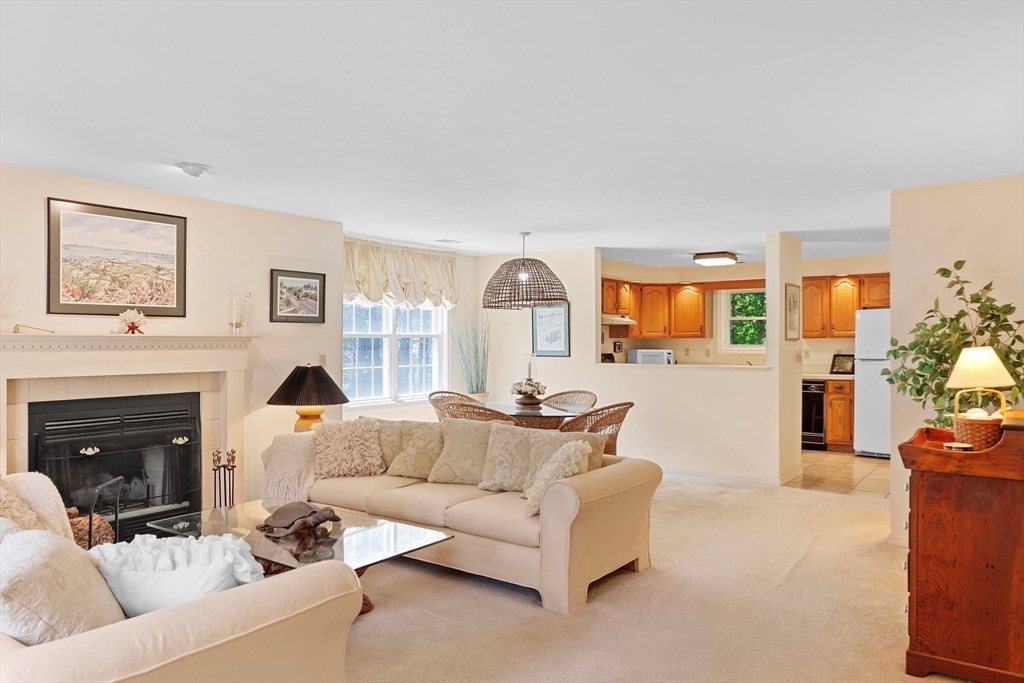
(812, 437)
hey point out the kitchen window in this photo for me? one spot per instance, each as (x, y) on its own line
(741, 321)
(391, 353)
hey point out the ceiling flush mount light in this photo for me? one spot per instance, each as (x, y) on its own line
(523, 283)
(448, 240)
(715, 258)
(193, 169)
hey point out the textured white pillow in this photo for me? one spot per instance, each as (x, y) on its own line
(569, 459)
(544, 443)
(8, 527)
(17, 510)
(422, 443)
(152, 573)
(349, 448)
(50, 589)
(389, 434)
(464, 453)
(508, 458)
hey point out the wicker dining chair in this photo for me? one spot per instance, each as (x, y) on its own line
(473, 411)
(606, 420)
(439, 399)
(576, 400)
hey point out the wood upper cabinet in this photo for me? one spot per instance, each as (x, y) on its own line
(609, 290)
(874, 291)
(654, 307)
(816, 304)
(845, 301)
(635, 312)
(686, 311)
(839, 413)
(622, 298)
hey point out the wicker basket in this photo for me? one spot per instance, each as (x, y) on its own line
(981, 434)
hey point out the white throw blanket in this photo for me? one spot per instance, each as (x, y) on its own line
(288, 465)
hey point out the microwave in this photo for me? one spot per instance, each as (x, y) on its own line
(650, 356)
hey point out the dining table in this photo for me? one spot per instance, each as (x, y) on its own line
(535, 417)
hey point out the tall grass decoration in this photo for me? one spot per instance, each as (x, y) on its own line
(470, 329)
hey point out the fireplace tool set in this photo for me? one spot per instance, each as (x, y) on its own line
(223, 479)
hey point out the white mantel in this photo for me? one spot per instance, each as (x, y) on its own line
(40, 356)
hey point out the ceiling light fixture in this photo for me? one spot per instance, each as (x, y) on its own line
(523, 283)
(715, 258)
(448, 240)
(193, 169)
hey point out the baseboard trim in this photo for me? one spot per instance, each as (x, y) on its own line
(791, 475)
(899, 540)
(747, 479)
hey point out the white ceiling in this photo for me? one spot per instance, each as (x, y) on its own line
(651, 129)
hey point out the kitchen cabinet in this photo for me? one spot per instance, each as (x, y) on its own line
(615, 297)
(839, 415)
(844, 304)
(816, 304)
(654, 311)
(686, 311)
(635, 312)
(874, 291)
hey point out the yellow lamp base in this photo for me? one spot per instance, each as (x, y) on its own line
(308, 416)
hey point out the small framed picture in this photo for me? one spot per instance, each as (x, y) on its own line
(792, 312)
(842, 364)
(551, 330)
(296, 297)
(617, 347)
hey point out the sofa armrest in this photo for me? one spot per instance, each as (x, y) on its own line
(289, 627)
(591, 525)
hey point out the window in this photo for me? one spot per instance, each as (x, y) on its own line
(391, 353)
(741, 325)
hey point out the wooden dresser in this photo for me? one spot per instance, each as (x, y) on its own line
(966, 559)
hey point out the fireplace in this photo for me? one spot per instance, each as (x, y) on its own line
(153, 441)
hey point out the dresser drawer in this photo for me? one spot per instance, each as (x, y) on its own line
(839, 386)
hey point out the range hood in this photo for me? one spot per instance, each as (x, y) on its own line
(617, 320)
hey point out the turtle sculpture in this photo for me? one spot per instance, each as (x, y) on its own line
(297, 519)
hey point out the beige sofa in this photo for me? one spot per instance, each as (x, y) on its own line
(301, 617)
(590, 524)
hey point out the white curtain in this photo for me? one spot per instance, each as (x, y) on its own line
(376, 272)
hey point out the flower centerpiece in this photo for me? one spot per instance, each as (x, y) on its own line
(133, 320)
(529, 391)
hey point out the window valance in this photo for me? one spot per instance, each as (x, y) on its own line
(378, 272)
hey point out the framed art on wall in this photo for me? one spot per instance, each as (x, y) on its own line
(792, 312)
(296, 297)
(104, 259)
(551, 330)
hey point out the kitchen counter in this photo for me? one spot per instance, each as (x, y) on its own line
(813, 375)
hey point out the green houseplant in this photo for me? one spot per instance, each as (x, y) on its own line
(924, 363)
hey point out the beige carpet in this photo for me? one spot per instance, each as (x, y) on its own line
(746, 584)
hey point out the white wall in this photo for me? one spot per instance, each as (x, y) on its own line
(784, 357)
(931, 227)
(230, 248)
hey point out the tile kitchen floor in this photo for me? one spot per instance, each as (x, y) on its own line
(843, 473)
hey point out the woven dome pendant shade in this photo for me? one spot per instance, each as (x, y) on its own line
(523, 283)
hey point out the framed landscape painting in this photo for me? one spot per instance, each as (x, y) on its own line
(793, 311)
(296, 297)
(551, 330)
(102, 260)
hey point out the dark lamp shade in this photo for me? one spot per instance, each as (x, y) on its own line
(308, 385)
(523, 283)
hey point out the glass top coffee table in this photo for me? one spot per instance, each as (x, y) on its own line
(358, 540)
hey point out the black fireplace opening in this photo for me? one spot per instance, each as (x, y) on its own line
(154, 442)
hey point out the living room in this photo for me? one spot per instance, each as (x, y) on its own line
(329, 223)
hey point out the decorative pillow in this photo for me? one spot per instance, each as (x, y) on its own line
(422, 443)
(569, 459)
(289, 465)
(51, 589)
(544, 443)
(152, 573)
(8, 527)
(349, 448)
(17, 510)
(464, 453)
(389, 433)
(508, 458)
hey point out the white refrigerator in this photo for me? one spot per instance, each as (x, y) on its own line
(872, 397)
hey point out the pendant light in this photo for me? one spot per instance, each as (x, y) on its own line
(523, 283)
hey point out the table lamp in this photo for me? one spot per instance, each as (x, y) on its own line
(309, 388)
(978, 370)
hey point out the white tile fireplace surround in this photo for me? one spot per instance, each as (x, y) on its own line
(55, 367)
